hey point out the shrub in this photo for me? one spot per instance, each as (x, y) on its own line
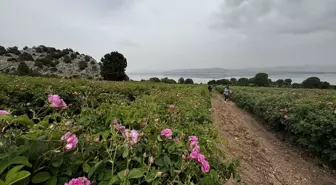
(67, 59)
(25, 57)
(12, 59)
(41, 49)
(53, 69)
(92, 62)
(8, 55)
(23, 69)
(25, 48)
(87, 58)
(94, 68)
(14, 50)
(296, 85)
(73, 56)
(39, 64)
(51, 50)
(82, 65)
(325, 85)
(243, 81)
(2, 50)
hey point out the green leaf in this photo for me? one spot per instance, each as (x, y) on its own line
(171, 149)
(103, 183)
(135, 173)
(86, 167)
(159, 138)
(14, 170)
(21, 160)
(121, 174)
(167, 161)
(17, 160)
(159, 162)
(114, 179)
(2, 182)
(52, 181)
(6, 117)
(57, 163)
(95, 167)
(17, 177)
(40, 177)
(3, 155)
(24, 120)
(126, 152)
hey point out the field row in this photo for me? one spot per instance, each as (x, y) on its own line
(56, 131)
(307, 116)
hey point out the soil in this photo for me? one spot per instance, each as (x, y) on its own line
(265, 158)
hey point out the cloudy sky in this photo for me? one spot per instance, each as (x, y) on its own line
(174, 34)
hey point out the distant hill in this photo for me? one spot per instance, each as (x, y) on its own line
(42, 60)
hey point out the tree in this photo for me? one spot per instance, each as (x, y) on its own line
(189, 81)
(113, 66)
(311, 82)
(154, 79)
(168, 81)
(223, 82)
(212, 82)
(25, 57)
(14, 50)
(251, 81)
(181, 80)
(288, 81)
(233, 81)
(243, 81)
(296, 85)
(280, 82)
(261, 79)
(82, 64)
(325, 85)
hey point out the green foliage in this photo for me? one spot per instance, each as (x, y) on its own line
(14, 50)
(73, 56)
(280, 82)
(113, 66)
(87, 58)
(181, 80)
(233, 81)
(23, 69)
(189, 81)
(243, 81)
(154, 79)
(67, 59)
(168, 81)
(288, 81)
(306, 115)
(312, 82)
(82, 64)
(261, 79)
(25, 57)
(32, 142)
(2, 50)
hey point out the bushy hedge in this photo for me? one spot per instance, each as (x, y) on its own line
(96, 112)
(309, 116)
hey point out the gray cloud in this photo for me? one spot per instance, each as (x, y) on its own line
(163, 35)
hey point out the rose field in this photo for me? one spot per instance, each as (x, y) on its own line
(306, 116)
(56, 131)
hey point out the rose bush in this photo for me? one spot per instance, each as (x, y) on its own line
(103, 137)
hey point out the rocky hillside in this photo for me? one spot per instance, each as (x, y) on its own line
(47, 61)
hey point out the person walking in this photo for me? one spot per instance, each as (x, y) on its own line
(226, 93)
(210, 88)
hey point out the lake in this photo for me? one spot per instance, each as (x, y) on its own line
(297, 78)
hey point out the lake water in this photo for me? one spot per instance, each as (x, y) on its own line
(297, 78)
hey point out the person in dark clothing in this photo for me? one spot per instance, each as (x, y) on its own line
(209, 88)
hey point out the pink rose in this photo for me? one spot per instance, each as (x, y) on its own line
(151, 160)
(176, 139)
(167, 133)
(286, 117)
(193, 138)
(71, 140)
(194, 155)
(330, 103)
(97, 139)
(79, 181)
(171, 107)
(56, 102)
(200, 158)
(134, 137)
(115, 122)
(205, 167)
(3, 112)
(196, 148)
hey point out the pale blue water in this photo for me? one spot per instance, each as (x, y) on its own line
(298, 78)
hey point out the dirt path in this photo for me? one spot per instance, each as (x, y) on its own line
(264, 158)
